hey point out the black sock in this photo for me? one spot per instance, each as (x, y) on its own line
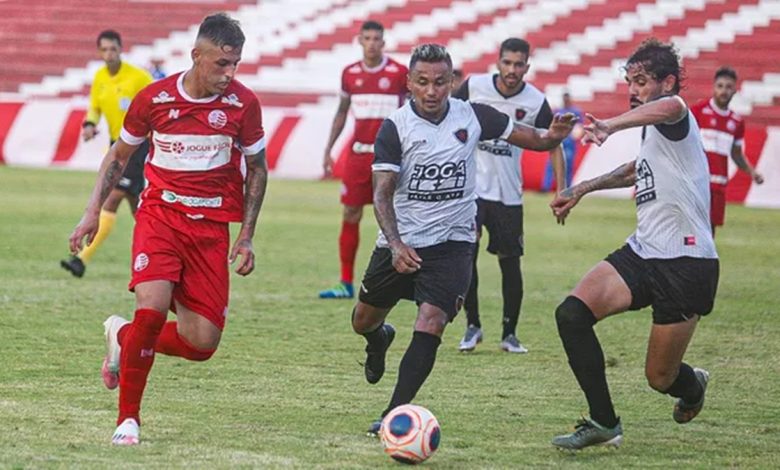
(376, 339)
(471, 304)
(575, 327)
(415, 367)
(512, 291)
(686, 386)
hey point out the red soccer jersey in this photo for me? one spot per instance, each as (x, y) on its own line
(374, 94)
(720, 130)
(197, 146)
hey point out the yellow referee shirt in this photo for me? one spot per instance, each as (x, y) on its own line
(111, 95)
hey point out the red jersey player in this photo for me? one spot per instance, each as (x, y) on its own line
(204, 125)
(372, 88)
(722, 133)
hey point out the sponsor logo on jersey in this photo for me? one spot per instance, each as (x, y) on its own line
(191, 201)
(520, 114)
(462, 135)
(645, 183)
(438, 182)
(163, 97)
(232, 100)
(141, 262)
(689, 240)
(496, 147)
(173, 114)
(384, 83)
(217, 119)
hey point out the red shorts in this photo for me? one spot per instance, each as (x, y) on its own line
(193, 254)
(717, 206)
(356, 188)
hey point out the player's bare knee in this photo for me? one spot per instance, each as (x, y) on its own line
(353, 214)
(660, 378)
(431, 320)
(362, 319)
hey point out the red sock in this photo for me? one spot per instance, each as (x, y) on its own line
(171, 343)
(348, 245)
(136, 360)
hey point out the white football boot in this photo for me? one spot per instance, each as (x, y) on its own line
(127, 434)
(511, 344)
(110, 369)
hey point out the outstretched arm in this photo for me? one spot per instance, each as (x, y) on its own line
(110, 172)
(559, 167)
(621, 177)
(405, 258)
(534, 139)
(662, 111)
(744, 165)
(339, 120)
(254, 194)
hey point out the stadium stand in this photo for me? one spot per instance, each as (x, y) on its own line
(293, 56)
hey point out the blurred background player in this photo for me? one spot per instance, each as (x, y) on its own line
(205, 127)
(500, 184)
(113, 88)
(425, 187)
(669, 262)
(723, 134)
(569, 146)
(371, 88)
(457, 78)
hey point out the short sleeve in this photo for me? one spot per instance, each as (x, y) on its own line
(545, 116)
(136, 125)
(387, 148)
(251, 136)
(739, 134)
(344, 85)
(462, 93)
(494, 123)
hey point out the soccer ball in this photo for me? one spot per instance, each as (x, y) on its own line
(410, 434)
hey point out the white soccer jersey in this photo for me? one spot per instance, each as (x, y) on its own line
(673, 193)
(498, 163)
(434, 198)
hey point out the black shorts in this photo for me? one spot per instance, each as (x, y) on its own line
(504, 225)
(442, 280)
(132, 180)
(677, 288)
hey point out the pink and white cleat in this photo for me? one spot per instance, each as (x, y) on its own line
(127, 434)
(110, 369)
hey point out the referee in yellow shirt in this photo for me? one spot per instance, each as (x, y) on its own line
(114, 87)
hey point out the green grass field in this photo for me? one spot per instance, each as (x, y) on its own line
(285, 388)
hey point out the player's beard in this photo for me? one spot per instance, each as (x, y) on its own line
(634, 102)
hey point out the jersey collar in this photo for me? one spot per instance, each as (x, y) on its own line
(376, 69)
(495, 86)
(187, 97)
(435, 123)
(717, 109)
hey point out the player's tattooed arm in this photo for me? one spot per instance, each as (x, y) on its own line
(254, 194)
(405, 258)
(621, 177)
(110, 172)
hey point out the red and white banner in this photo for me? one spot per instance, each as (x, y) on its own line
(46, 133)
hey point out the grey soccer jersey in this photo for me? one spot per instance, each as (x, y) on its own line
(498, 163)
(673, 193)
(434, 198)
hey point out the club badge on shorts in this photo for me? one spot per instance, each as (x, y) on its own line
(141, 262)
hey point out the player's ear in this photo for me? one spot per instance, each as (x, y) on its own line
(195, 55)
(668, 83)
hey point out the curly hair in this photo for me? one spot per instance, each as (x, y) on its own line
(660, 60)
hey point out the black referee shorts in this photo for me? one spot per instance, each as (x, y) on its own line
(676, 288)
(504, 225)
(132, 180)
(442, 280)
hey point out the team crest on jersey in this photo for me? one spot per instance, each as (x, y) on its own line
(384, 83)
(163, 97)
(462, 135)
(232, 100)
(217, 119)
(731, 125)
(519, 114)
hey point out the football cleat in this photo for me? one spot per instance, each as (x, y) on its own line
(375, 359)
(127, 434)
(342, 290)
(74, 265)
(685, 412)
(590, 433)
(511, 344)
(110, 369)
(374, 428)
(471, 338)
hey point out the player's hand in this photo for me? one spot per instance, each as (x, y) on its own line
(596, 130)
(562, 204)
(88, 132)
(327, 164)
(87, 227)
(243, 248)
(405, 259)
(758, 178)
(561, 126)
